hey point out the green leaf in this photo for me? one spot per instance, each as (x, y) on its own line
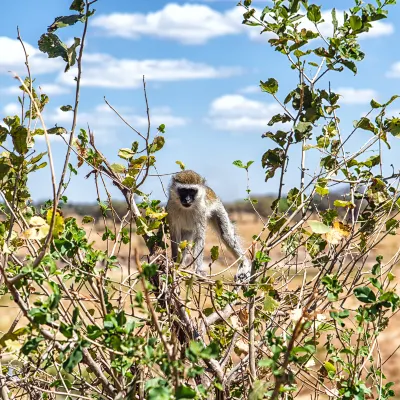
(68, 20)
(375, 104)
(20, 139)
(355, 22)
(118, 168)
(318, 227)
(270, 86)
(343, 203)
(214, 253)
(73, 360)
(161, 128)
(219, 288)
(66, 108)
(126, 154)
(77, 5)
(270, 304)
(258, 390)
(52, 45)
(365, 294)
(314, 13)
(329, 367)
(238, 163)
(185, 392)
(350, 65)
(159, 393)
(87, 219)
(158, 144)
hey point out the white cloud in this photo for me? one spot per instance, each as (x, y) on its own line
(355, 96)
(105, 123)
(186, 23)
(250, 89)
(394, 71)
(196, 24)
(103, 70)
(12, 109)
(12, 58)
(48, 88)
(235, 112)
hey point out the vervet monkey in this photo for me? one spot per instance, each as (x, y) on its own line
(191, 205)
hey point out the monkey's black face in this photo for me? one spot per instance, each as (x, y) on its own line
(187, 196)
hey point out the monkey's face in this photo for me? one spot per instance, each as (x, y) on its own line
(187, 196)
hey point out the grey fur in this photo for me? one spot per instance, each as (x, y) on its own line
(190, 224)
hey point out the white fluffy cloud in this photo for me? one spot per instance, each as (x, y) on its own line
(235, 112)
(394, 71)
(186, 23)
(355, 96)
(105, 123)
(198, 23)
(48, 88)
(12, 58)
(103, 70)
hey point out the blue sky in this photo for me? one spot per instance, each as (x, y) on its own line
(202, 67)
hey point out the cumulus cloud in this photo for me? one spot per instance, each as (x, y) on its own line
(235, 112)
(195, 24)
(103, 70)
(250, 89)
(48, 88)
(105, 123)
(12, 58)
(186, 23)
(394, 71)
(355, 96)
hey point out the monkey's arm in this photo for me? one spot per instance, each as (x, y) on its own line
(226, 230)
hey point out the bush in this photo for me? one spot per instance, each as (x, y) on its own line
(308, 320)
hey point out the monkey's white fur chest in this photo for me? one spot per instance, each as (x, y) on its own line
(188, 219)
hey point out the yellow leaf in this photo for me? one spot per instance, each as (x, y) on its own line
(37, 221)
(12, 345)
(58, 222)
(338, 232)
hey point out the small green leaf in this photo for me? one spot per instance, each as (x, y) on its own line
(365, 294)
(66, 108)
(355, 22)
(87, 219)
(185, 392)
(375, 104)
(270, 86)
(161, 128)
(343, 203)
(118, 168)
(318, 227)
(238, 163)
(314, 13)
(126, 154)
(77, 5)
(73, 360)
(270, 304)
(329, 367)
(214, 253)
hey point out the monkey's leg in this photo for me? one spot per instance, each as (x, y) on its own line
(186, 254)
(198, 250)
(175, 240)
(226, 230)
